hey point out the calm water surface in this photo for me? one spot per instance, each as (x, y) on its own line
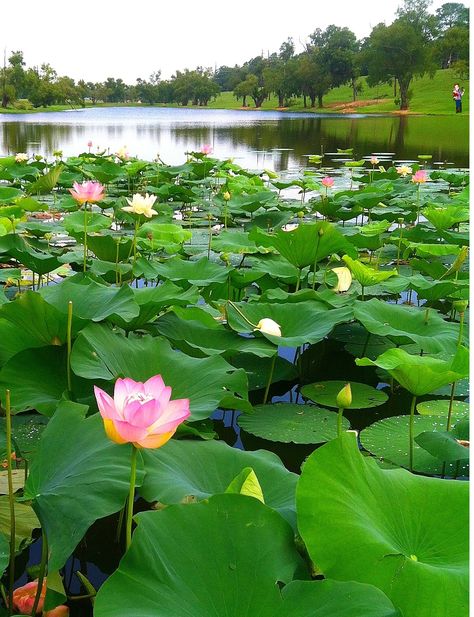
(256, 139)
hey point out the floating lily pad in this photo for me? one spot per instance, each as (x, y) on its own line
(291, 423)
(388, 439)
(440, 407)
(325, 393)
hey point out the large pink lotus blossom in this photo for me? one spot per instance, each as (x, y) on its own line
(141, 413)
(327, 182)
(24, 597)
(206, 149)
(90, 192)
(419, 177)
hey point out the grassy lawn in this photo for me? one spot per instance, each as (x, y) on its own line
(430, 96)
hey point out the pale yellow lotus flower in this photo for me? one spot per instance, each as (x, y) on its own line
(404, 170)
(141, 205)
(268, 326)
(21, 157)
(122, 153)
(344, 279)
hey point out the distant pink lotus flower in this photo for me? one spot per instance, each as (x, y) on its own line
(90, 192)
(206, 149)
(89, 144)
(419, 177)
(327, 182)
(141, 413)
(24, 597)
(374, 160)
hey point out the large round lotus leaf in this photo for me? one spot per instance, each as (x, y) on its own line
(424, 326)
(306, 322)
(77, 477)
(444, 446)
(405, 534)
(325, 393)
(220, 557)
(388, 439)
(170, 477)
(440, 407)
(202, 272)
(462, 389)
(239, 551)
(421, 375)
(291, 423)
(74, 223)
(329, 598)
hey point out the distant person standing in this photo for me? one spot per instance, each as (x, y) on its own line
(457, 96)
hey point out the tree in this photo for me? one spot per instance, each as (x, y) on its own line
(397, 51)
(452, 46)
(278, 74)
(452, 14)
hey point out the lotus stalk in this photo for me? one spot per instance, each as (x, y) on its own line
(11, 500)
(41, 575)
(69, 344)
(270, 379)
(411, 432)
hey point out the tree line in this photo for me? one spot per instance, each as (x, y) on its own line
(415, 43)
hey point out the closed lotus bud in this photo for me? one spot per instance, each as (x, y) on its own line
(344, 398)
(226, 196)
(321, 231)
(268, 326)
(344, 279)
(460, 305)
(300, 214)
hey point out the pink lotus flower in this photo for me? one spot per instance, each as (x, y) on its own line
(327, 182)
(419, 177)
(89, 144)
(141, 413)
(206, 149)
(24, 597)
(89, 191)
(374, 160)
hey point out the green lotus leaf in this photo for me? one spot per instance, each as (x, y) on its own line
(234, 241)
(91, 300)
(363, 395)
(104, 171)
(109, 247)
(9, 194)
(445, 216)
(77, 477)
(45, 183)
(25, 521)
(74, 223)
(200, 273)
(21, 250)
(246, 483)
(276, 266)
(211, 341)
(258, 369)
(366, 275)
(416, 552)
(291, 423)
(152, 300)
(306, 245)
(440, 407)
(162, 234)
(388, 440)
(100, 353)
(444, 446)
(305, 322)
(424, 326)
(421, 374)
(170, 478)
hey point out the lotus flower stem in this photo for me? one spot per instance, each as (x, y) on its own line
(41, 573)
(270, 377)
(135, 233)
(411, 430)
(131, 497)
(69, 343)
(119, 525)
(85, 237)
(316, 261)
(461, 327)
(241, 314)
(11, 501)
(340, 412)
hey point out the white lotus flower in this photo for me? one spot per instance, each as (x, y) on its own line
(404, 170)
(21, 157)
(122, 153)
(344, 279)
(268, 326)
(141, 205)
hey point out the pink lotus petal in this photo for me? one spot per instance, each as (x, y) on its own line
(155, 386)
(144, 414)
(176, 412)
(125, 388)
(129, 432)
(155, 441)
(105, 403)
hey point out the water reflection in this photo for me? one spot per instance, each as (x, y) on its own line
(256, 139)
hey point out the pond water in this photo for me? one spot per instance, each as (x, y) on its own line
(256, 139)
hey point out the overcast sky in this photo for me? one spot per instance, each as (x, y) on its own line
(96, 39)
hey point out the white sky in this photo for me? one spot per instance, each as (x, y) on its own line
(96, 39)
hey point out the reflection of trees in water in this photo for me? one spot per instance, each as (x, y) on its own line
(407, 136)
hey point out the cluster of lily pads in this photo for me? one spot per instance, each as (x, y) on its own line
(239, 288)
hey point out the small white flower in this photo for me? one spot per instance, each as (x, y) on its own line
(268, 326)
(404, 170)
(21, 157)
(141, 205)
